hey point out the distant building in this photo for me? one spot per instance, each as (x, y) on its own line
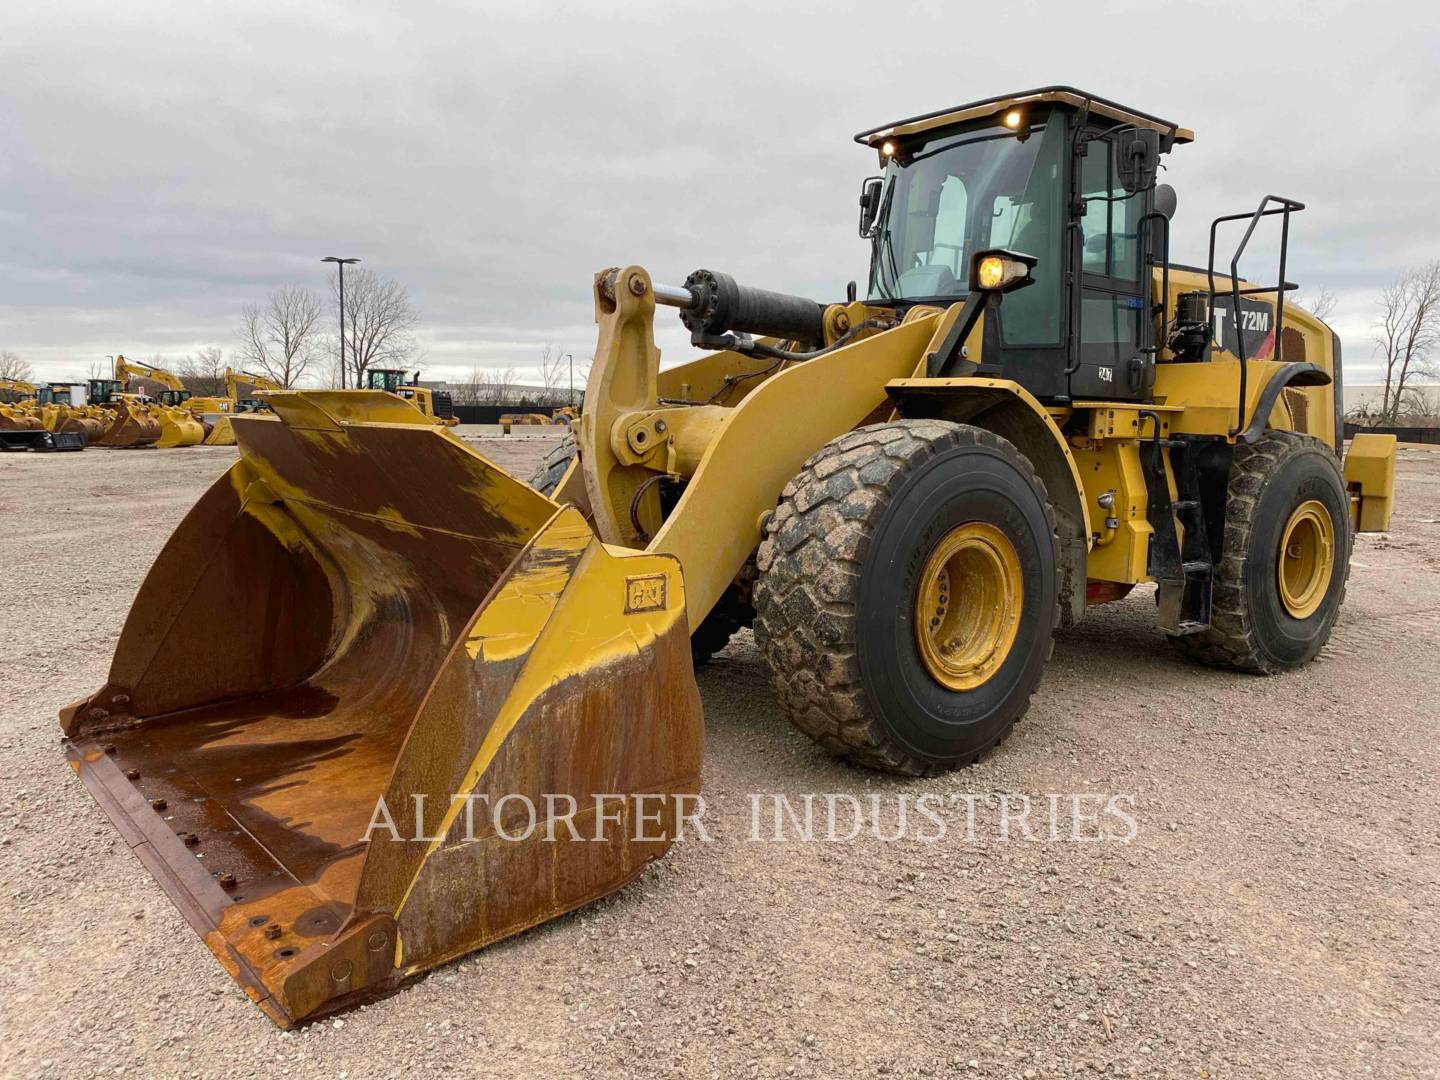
(1370, 396)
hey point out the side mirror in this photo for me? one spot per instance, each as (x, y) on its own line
(870, 205)
(1165, 201)
(1137, 158)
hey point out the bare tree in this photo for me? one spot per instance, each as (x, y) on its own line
(499, 386)
(379, 324)
(203, 371)
(12, 367)
(279, 338)
(555, 367)
(471, 390)
(582, 378)
(1406, 334)
(1320, 305)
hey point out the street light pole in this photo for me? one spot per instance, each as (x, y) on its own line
(571, 399)
(341, 263)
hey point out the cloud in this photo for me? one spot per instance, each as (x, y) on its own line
(166, 163)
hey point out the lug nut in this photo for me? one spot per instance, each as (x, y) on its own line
(159, 804)
(189, 839)
(132, 774)
(227, 880)
(273, 932)
(110, 748)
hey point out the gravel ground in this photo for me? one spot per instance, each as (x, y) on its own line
(1273, 916)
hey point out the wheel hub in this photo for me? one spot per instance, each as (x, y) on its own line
(1307, 559)
(967, 605)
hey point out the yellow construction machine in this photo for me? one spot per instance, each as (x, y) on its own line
(128, 419)
(438, 405)
(18, 400)
(37, 418)
(185, 420)
(242, 386)
(428, 670)
(62, 415)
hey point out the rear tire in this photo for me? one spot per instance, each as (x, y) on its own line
(849, 551)
(552, 470)
(1260, 622)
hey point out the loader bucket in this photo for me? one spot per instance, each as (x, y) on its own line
(16, 419)
(218, 430)
(379, 704)
(73, 421)
(179, 428)
(130, 425)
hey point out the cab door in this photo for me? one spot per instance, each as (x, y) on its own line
(1110, 253)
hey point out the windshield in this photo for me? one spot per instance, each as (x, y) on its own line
(963, 193)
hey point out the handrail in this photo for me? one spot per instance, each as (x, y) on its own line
(1285, 208)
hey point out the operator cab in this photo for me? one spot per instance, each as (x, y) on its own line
(174, 398)
(102, 391)
(391, 380)
(1060, 175)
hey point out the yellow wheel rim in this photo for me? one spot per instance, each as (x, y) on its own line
(967, 605)
(1307, 559)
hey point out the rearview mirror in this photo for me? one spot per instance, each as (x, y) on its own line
(1137, 157)
(869, 205)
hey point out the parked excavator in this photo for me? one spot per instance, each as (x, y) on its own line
(242, 386)
(428, 671)
(185, 420)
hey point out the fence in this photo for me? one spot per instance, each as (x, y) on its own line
(1404, 434)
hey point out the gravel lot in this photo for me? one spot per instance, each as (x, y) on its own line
(1274, 916)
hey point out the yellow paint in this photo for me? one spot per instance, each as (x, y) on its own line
(967, 605)
(1370, 477)
(763, 444)
(576, 631)
(970, 385)
(1209, 390)
(1307, 559)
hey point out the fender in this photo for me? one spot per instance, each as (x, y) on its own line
(1012, 412)
(1296, 374)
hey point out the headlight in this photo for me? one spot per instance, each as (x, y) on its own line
(1001, 271)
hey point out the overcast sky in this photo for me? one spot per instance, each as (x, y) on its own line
(163, 164)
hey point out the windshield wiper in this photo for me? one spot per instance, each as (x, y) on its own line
(883, 243)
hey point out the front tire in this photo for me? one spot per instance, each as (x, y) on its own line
(907, 595)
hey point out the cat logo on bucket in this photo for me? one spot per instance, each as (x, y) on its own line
(645, 593)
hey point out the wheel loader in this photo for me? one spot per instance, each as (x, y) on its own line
(1032, 410)
(436, 404)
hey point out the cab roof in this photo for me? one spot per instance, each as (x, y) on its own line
(1063, 95)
